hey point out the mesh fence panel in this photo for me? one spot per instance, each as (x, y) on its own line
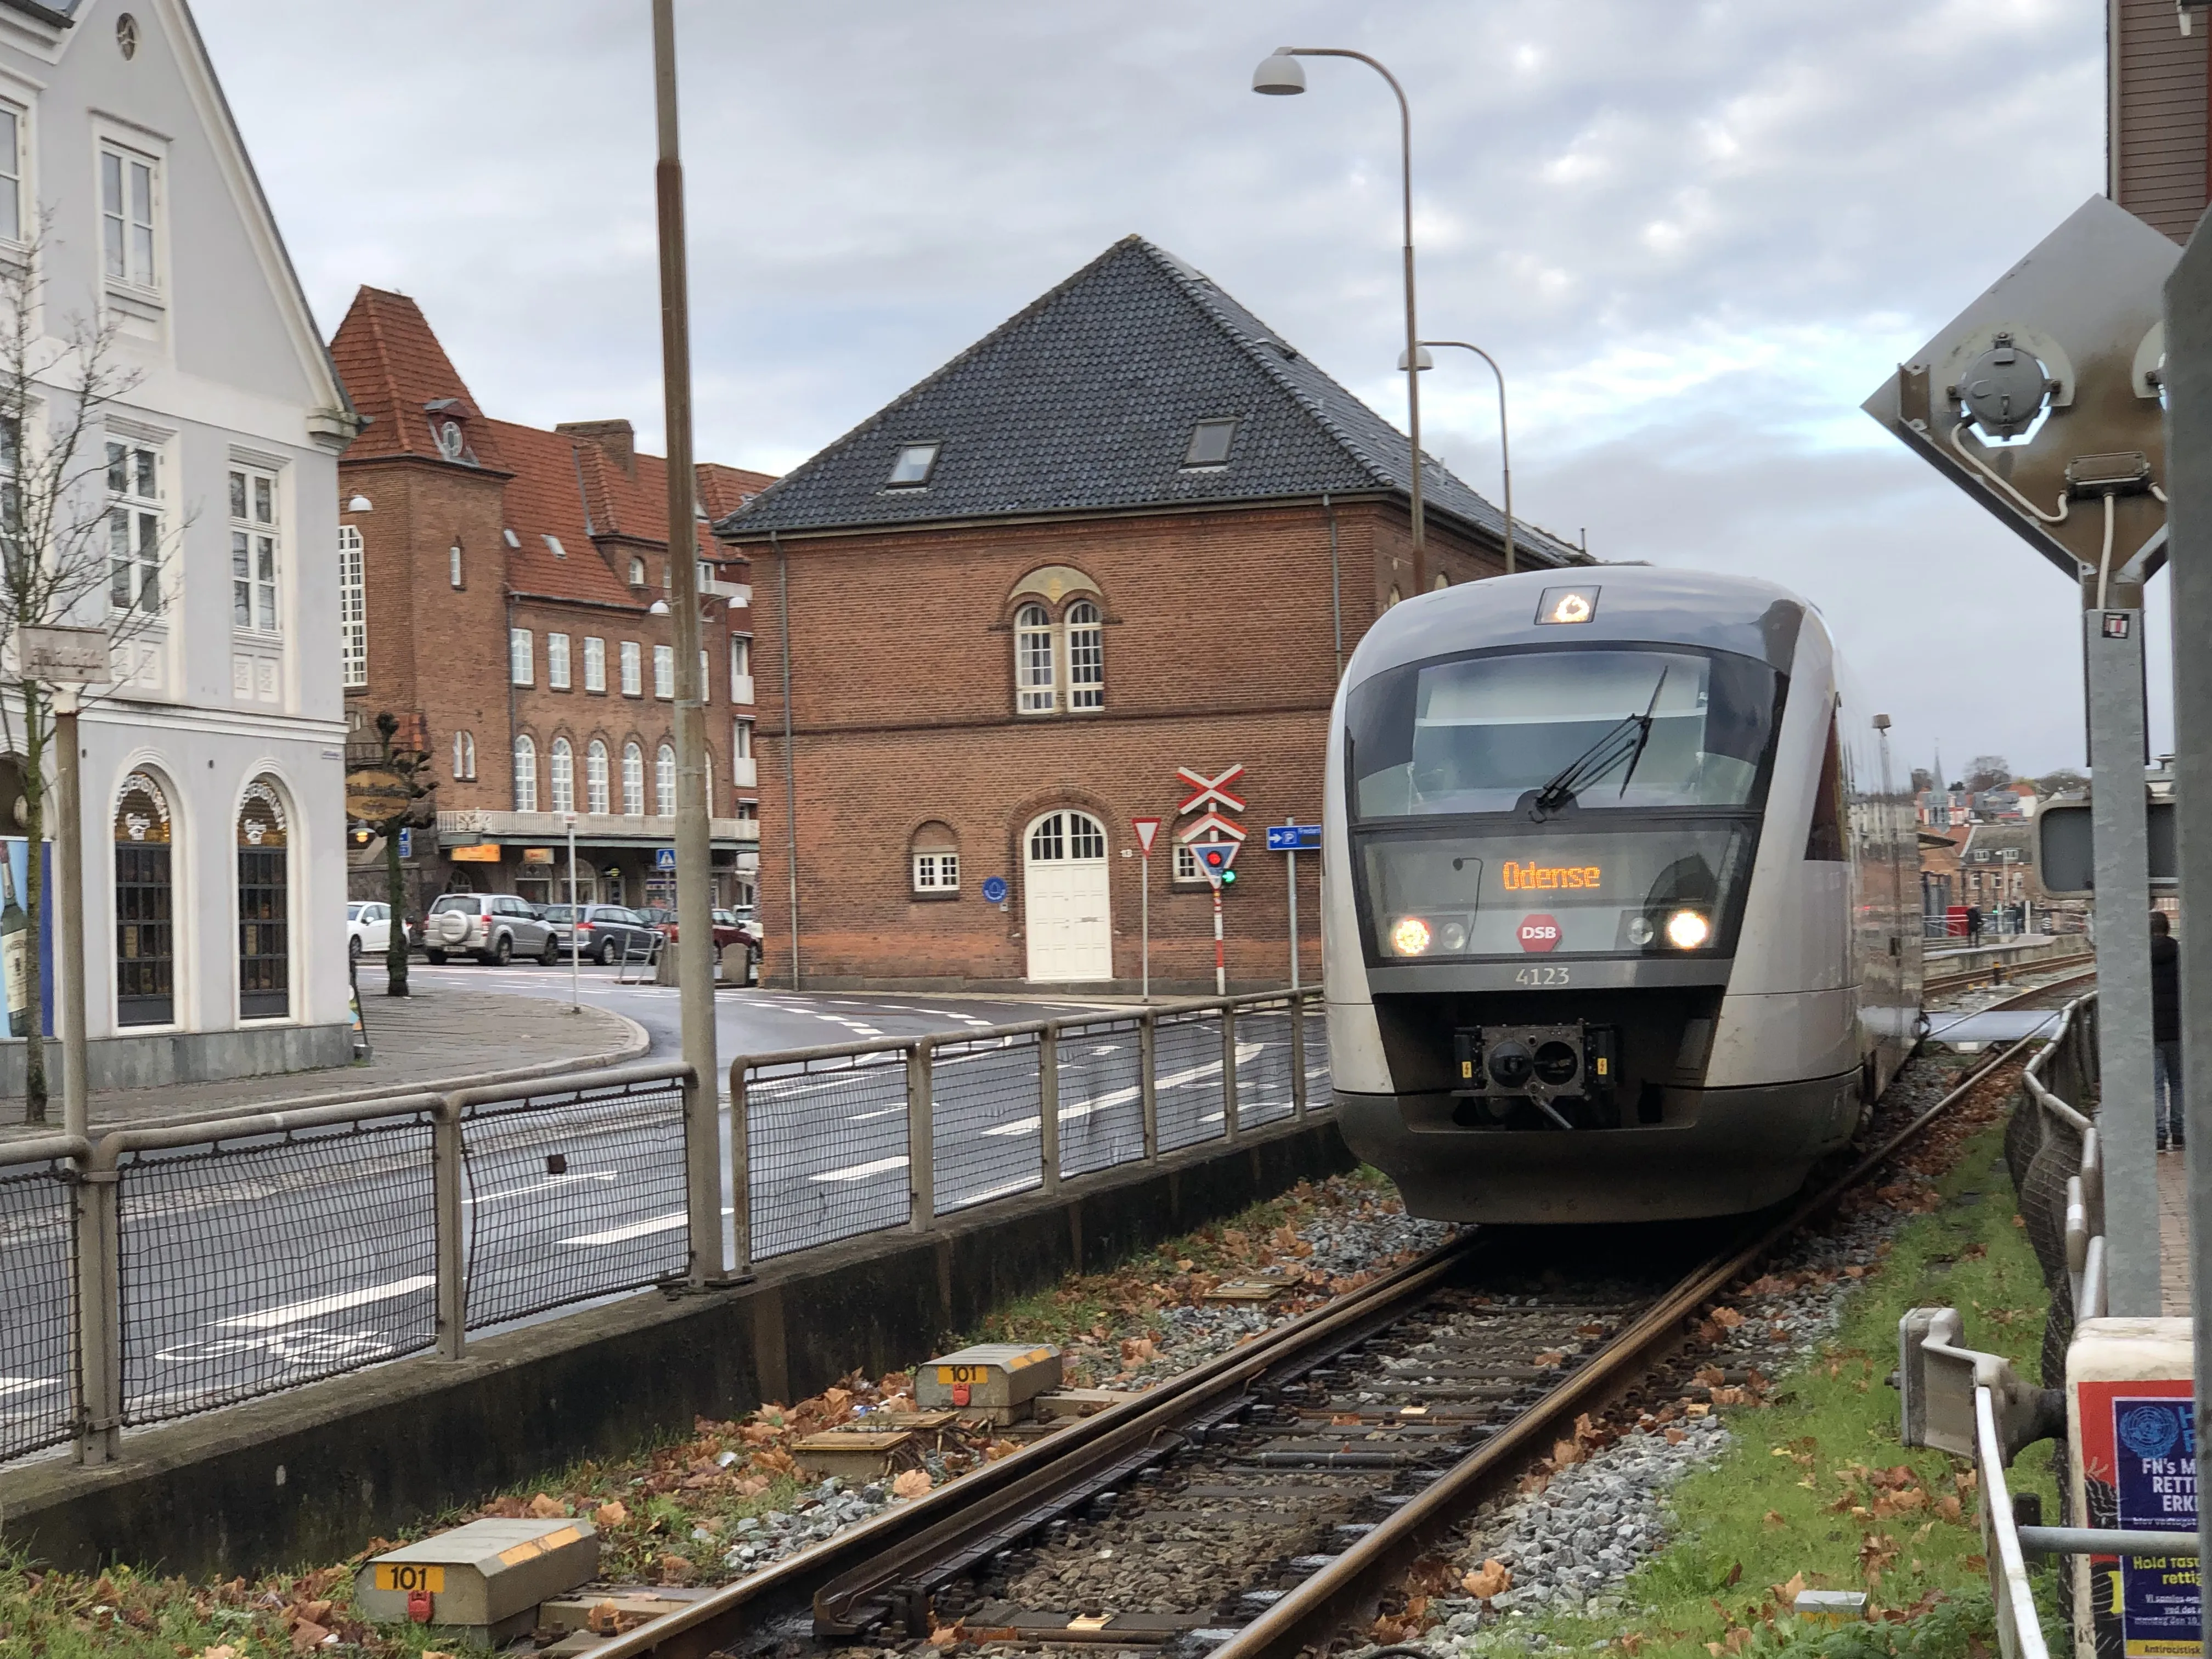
(828, 1150)
(1320, 1089)
(1263, 1065)
(255, 1266)
(37, 1329)
(571, 1195)
(1187, 1066)
(989, 1136)
(1102, 1096)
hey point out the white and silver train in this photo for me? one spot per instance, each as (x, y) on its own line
(1622, 909)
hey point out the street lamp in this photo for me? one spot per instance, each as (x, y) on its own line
(1504, 452)
(1281, 75)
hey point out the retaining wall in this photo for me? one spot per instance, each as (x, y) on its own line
(312, 1475)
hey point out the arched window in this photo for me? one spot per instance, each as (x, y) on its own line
(525, 773)
(1395, 597)
(145, 915)
(563, 776)
(595, 777)
(265, 904)
(1086, 657)
(1066, 835)
(1442, 582)
(933, 860)
(1036, 682)
(634, 780)
(664, 781)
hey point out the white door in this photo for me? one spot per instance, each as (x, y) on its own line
(1064, 910)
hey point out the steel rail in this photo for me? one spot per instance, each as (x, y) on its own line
(699, 1629)
(874, 1555)
(1996, 972)
(1348, 1588)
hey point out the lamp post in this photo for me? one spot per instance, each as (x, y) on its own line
(1279, 74)
(1504, 451)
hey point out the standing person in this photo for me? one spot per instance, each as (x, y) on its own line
(2166, 1029)
(1973, 924)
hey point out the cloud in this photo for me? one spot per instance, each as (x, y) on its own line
(1695, 234)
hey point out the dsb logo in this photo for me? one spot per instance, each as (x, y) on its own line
(1539, 933)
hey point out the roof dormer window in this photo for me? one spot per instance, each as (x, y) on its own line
(449, 428)
(451, 442)
(914, 463)
(1209, 443)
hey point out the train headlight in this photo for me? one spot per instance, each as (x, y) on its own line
(1455, 938)
(1640, 930)
(1410, 937)
(1686, 930)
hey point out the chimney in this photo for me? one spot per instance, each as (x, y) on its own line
(618, 438)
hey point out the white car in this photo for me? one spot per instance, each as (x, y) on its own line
(368, 929)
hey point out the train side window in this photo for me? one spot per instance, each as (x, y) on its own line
(1824, 841)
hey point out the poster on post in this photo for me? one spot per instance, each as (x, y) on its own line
(2139, 1470)
(26, 964)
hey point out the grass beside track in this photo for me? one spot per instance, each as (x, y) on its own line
(1816, 1492)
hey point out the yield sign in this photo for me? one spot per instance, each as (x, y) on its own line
(1213, 827)
(1210, 792)
(1145, 829)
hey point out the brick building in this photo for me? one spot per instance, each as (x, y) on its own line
(1132, 530)
(505, 595)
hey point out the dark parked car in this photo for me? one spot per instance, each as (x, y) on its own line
(607, 934)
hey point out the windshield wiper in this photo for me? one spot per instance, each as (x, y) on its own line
(1624, 740)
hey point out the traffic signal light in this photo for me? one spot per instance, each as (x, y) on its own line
(1215, 861)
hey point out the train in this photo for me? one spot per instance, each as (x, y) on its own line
(1621, 913)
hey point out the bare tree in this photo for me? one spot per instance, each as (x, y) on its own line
(66, 556)
(2064, 781)
(1922, 780)
(1988, 772)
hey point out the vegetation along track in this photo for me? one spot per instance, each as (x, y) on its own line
(1263, 1503)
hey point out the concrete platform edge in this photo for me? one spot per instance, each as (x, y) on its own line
(312, 1476)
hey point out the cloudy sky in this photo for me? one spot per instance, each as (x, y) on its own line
(1695, 234)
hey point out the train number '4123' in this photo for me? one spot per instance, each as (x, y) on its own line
(1541, 976)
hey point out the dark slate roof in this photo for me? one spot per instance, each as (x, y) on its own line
(1085, 402)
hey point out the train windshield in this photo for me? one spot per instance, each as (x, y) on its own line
(1634, 728)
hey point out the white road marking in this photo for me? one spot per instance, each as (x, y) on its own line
(299, 1312)
(861, 1171)
(1029, 1126)
(546, 1185)
(28, 1385)
(666, 1224)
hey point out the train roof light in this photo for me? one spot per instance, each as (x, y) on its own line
(1566, 605)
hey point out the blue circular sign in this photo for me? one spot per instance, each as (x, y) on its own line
(995, 890)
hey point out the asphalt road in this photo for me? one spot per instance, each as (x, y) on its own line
(266, 1264)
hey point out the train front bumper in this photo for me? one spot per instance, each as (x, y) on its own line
(1722, 1151)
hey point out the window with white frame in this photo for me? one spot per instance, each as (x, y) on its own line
(521, 657)
(706, 680)
(1086, 657)
(663, 780)
(465, 756)
(454, 572)
(561, 772)
(11, 173)
(634, 780)
(1060, 667)
(741, 668)
(525, 773)
(556, 661)
(1186, 863)
(637, 573)
(11, 494)
(741, 740)
(595, 777)
(664, 670)
(134, 526)
(595, 665)
(633, 670)
(353, 606)
(933, 860)
(1036, 681)
(253, 551)
(127, 195)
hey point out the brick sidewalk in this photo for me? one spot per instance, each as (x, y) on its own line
(2173, 1233)
(425, 1038)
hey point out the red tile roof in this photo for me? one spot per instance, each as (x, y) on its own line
(572, 486)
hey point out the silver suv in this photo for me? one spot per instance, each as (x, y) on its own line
(493, 927)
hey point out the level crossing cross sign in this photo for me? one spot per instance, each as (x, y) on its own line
(1210, 792)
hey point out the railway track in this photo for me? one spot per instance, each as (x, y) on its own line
(1264, 1502)
(1941, 984)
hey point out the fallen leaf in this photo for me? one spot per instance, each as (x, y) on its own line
(912, 1483)
(611, 1514)
(545, 1508)
(1773, 1518)
(1726, 1318)
(1734, 1575)
(1492, 1578)
(1785, 1595)
(1565, 1452)
(1551, 1356)
(604, 1619)
(307, 1636)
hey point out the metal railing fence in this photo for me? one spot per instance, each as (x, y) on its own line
(181, 1265)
